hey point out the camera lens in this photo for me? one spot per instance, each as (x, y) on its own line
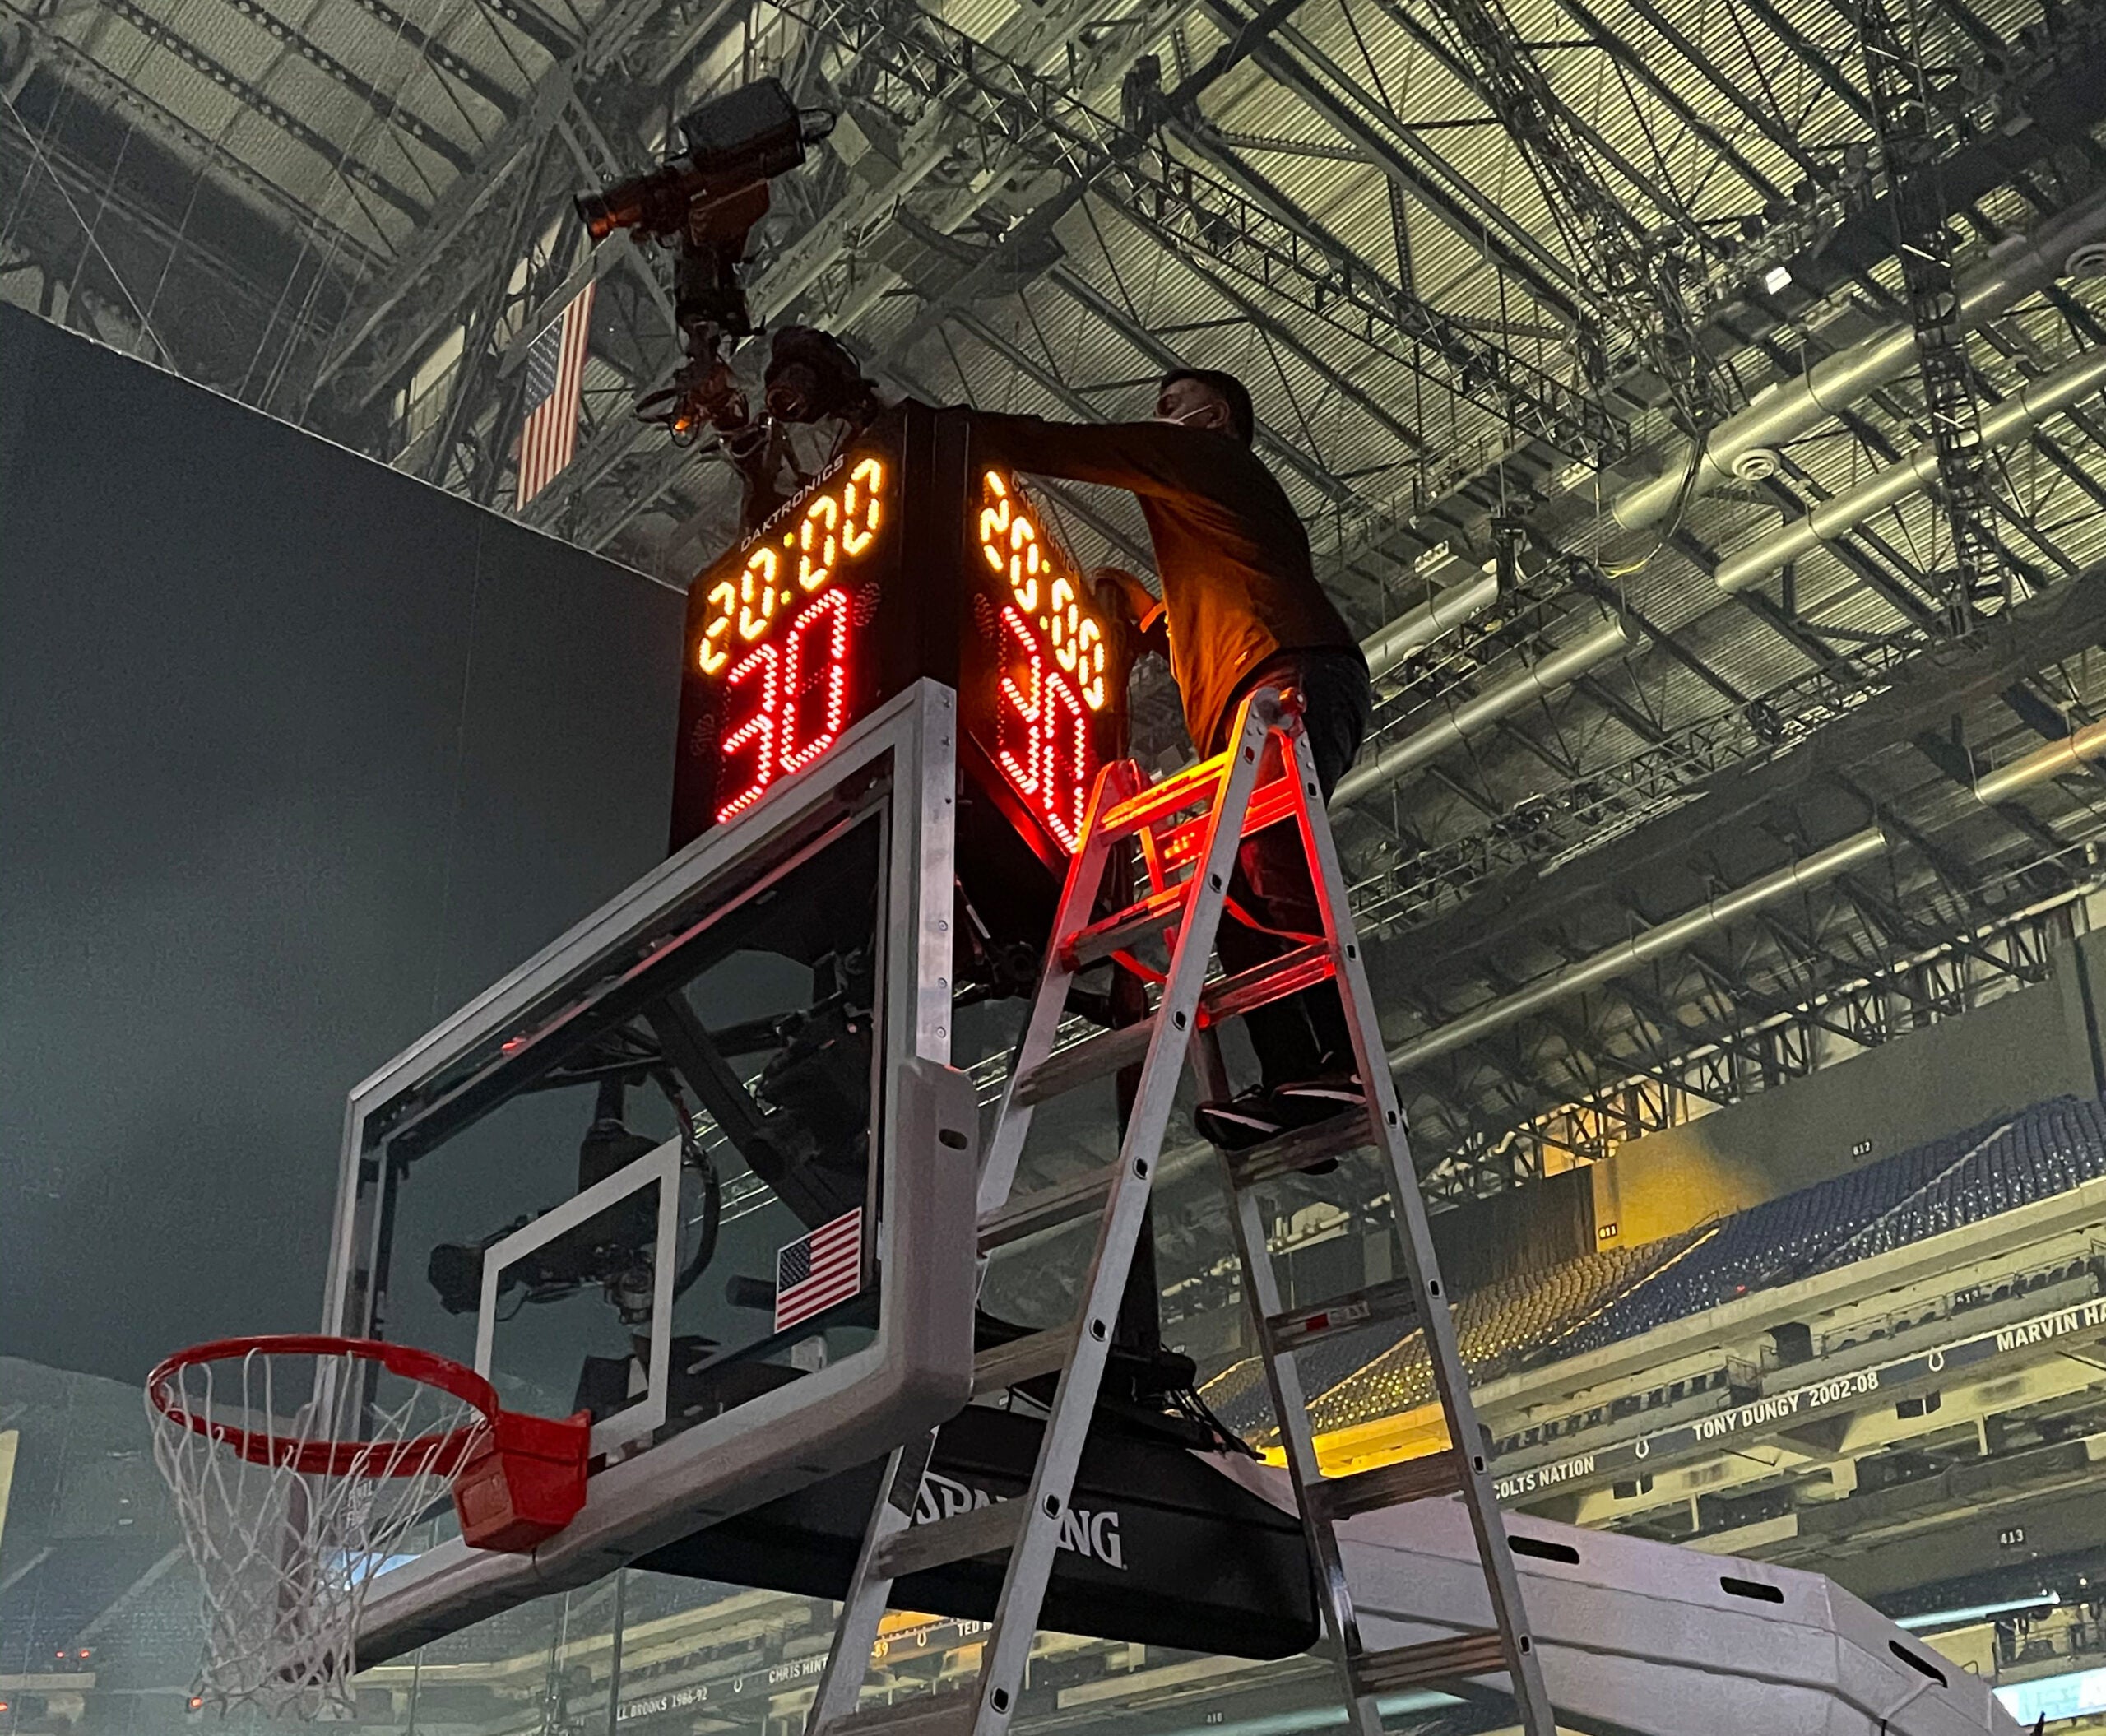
(597, 214)
(456, 1272)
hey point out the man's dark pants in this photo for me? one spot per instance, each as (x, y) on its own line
(1304, 1037)
(1307, 1035)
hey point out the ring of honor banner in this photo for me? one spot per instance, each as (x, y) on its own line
(1797, 1404)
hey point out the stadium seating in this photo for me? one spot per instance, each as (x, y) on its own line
(1584, 1304)
(1942, 1185)
(1379, 1372)
(1496, 1327)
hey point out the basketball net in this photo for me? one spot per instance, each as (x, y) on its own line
(295, 1472)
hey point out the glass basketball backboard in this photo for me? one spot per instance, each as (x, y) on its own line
(699, 1170)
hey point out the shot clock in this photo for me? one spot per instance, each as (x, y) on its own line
(1048, 676)
(780, 637)
(911, 557)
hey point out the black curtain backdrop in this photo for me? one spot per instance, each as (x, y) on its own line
(296, 754)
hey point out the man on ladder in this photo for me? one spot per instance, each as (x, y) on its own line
(1272, 680)
(1242, 610)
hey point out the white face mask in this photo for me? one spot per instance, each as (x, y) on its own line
(1198, 411)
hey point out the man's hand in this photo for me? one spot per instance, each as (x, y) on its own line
(1140, 617)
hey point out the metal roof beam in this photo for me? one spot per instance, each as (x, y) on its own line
(1190, 213)
(1308, 467)
(1045, 125)
(2042, 631)
(1631, 281)
(83, 68)
(442, 60)
(1302, 66)
(1887, 972)
(1471, 69)
(1774, 128)
(1637, 66)
(1288, 340)
(389, 111)
(926, 145)
(1809, 56)
(90, 183)
(1048, 382)
(532, 23)
(356, 176)
(463, 208)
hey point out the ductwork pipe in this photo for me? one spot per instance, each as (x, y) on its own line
(1833, 385)
(2012, 272)
(1387, 647)
(2008, 422)
(1560, 669)
(2080, 748)
(2076, 749)
(1627, 955)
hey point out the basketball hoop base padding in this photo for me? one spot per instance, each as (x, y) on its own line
(524, 1482)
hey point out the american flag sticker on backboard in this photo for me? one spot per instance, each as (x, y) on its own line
(816, 1271)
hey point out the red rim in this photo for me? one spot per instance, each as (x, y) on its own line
(333, 1458)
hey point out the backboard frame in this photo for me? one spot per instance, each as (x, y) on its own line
(917, 1371)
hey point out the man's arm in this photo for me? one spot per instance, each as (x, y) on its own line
(1142, 458)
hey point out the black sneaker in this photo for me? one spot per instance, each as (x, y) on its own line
(1312, 1100)
(1249, 1118)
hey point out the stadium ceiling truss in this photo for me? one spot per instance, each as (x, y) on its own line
(1534, 284)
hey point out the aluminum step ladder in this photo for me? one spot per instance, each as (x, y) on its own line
(1189, 828)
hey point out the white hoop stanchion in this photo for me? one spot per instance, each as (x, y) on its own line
(299, 1462)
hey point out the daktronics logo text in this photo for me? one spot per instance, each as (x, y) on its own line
(1093, 1536)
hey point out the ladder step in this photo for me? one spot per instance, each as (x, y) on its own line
(1336, 1499)
(1269, 804)
(947, 1714)
(1045, 1208)
(1303, 1147)
(1198, 783)
(1269, 807)
(1275, 980)
(1094, 1057)
(1023, 1359)
(1297, 1328)
(1432, 1660)
(1161, 910)
(1106, 1052)
(977, 1531)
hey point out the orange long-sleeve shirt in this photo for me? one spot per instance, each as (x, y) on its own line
(1237, 583)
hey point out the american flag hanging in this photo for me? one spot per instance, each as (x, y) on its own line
(555, 375)
(816, 1271)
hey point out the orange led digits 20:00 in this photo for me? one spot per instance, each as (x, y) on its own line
(905, 559)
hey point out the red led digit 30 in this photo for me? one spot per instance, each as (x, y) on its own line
(795, 678)
(1052, 660)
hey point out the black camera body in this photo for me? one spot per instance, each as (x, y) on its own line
(614, 1252)
(705, 201)
(735, 143)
